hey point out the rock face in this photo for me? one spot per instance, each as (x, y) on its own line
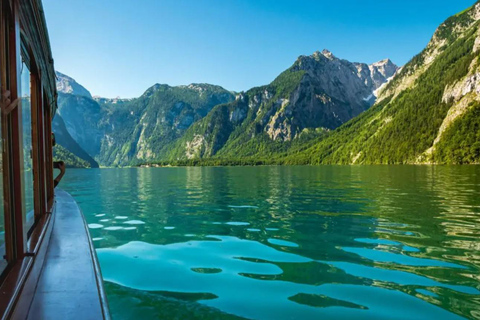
(65, 84)
(334, 91)
(381, 71)
(319, 92)
(65, 140)
(82, 119)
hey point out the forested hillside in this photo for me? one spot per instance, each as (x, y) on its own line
(427, 114)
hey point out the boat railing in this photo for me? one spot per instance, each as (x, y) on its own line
(61, 166)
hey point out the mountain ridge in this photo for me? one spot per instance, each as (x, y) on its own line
(426, 114)
(321, 110)
(117, 131)
(147, 131)
(302, 100)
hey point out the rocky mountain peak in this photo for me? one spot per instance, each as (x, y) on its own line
(66, 84)
(354, 82)
(197, 86)
(382, 62)
(328, 54)
(317, 55)
(386, 68)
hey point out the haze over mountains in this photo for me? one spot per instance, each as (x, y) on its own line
(320, 110)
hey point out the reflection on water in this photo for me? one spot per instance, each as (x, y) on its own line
(286, 242)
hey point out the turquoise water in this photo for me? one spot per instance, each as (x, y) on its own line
(373, 242)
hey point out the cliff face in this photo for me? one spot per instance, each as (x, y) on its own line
(334, 91)
(65, 84)
(67, 149)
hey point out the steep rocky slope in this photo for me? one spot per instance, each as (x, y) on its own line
(429, 113)
(318, 93)
(83, 119)
(73, 154)
(67, 148)
(65, 84)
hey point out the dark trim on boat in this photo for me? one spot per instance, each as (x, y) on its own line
(49, 271)
(19, 280)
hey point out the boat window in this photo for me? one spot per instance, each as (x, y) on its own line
(3, 261)
(27, 148)
(3, 70)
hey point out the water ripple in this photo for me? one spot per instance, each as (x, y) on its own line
(367, 242)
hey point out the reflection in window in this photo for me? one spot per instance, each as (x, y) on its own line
(27, 147)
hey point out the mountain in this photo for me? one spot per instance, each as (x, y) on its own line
(67, 149)
(139, 130)
(321, 110)
(429, 112)
(129, 131)
(83, 119)
(65, 84)
(381, 72)
(316, 94)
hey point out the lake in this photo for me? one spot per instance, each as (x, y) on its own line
(344, 242)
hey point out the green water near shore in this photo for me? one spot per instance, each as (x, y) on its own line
(374, 242)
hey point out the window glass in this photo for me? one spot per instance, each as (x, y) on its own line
(27, 148)
(3, 262)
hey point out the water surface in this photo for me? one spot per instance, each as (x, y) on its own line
(372, 242)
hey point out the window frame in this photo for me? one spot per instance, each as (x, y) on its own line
(24, 250)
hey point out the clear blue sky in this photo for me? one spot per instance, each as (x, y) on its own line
(122, 47)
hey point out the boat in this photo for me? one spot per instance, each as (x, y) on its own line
(48, 265)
